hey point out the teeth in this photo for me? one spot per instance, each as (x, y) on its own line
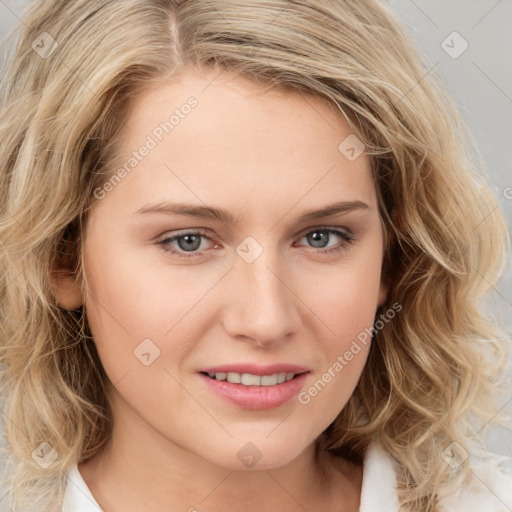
(235, 378)
(251, 380)
(248, 379)
(269, 380)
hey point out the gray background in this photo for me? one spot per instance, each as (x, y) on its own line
(480, 79)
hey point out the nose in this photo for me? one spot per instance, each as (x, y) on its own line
(261, 307)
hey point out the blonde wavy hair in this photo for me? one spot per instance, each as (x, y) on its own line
(432, 373)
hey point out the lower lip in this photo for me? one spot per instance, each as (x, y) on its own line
(256, 397)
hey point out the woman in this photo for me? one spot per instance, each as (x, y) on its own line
(242, 257)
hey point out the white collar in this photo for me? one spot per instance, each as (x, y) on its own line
(378, 490)
(77, 496)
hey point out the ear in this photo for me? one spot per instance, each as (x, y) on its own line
(385, 278)
(66, 286)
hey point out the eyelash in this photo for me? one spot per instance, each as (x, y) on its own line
(348, 240)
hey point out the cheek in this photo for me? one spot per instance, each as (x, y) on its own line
(346, 301)
(344, 354)
(346, 298)
(130, 302)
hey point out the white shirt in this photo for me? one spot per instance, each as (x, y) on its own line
(491, 490)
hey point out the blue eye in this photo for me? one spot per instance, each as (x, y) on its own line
(320, 237)
(190, 241)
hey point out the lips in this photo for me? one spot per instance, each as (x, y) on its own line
(253, 386)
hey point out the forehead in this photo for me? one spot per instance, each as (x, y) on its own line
(224, 137)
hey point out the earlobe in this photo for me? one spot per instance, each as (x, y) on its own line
(67, 289)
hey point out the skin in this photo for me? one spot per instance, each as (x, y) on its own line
(267, 156)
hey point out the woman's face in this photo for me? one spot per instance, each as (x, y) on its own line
(255, 281)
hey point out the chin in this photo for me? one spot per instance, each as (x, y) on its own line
(253, 453)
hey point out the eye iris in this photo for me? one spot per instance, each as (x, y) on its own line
(318, 236)
(194, 239)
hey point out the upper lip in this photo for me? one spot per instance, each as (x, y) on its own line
(255, 369)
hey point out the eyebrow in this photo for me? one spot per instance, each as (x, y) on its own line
(226, 217)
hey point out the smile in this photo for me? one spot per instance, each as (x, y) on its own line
(255, 387)
(248, 379)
